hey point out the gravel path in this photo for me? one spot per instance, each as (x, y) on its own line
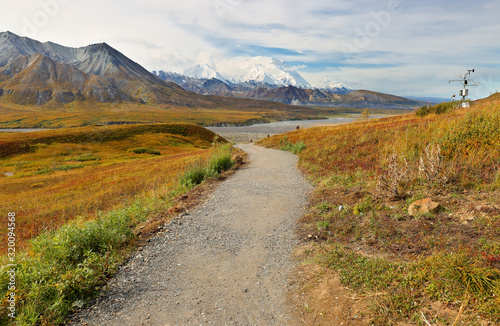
(227, 262)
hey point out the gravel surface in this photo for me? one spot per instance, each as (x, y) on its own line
(226, 262)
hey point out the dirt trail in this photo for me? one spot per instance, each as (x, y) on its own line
(227, 262)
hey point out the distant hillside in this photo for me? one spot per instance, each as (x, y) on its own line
(364, 98)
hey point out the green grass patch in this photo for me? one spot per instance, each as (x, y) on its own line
(67, 267)
(220, 161)
(85, 158)
(49, 170)
(289, 147)
(194, 176)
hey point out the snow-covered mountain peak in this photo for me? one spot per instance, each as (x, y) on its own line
(273, 71)
(203, 71)
(336, 87)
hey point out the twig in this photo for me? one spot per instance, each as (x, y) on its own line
(424, 319)
(466, 299)
(315, 317)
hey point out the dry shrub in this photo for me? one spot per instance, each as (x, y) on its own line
(432, 168)
(395, 179)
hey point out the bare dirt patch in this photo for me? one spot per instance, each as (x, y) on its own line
(321, 299)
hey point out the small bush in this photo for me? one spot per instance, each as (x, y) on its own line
(395, 179)
(143, 150)
(437, 109)
(193, 177)
(221, 163)
(431, 167)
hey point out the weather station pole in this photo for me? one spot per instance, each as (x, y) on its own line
(466, 80)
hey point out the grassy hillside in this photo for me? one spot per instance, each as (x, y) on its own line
(59, 175)
(367, 174)
(79, 196)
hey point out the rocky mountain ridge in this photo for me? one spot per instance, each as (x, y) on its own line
(35, 73)
(334, 96)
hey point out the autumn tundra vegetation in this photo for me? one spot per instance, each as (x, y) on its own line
(81, 195)
(435, 266)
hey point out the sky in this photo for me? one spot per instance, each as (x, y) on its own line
(401, 47)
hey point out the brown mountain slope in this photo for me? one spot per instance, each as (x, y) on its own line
(48, 74)
(36, 80)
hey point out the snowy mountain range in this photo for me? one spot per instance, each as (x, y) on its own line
(35, 73)
(273, 71)
(273, 83)
(259, 70)
(262, 78)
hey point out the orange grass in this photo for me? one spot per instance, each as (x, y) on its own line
(44, 197)
(348, 210)
(362, 146)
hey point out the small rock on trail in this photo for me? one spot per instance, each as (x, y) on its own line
(228, 262)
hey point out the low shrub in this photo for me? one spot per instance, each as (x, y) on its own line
(221, 163)
(49, 170)
(437, 109)
(193, 177)
(85, 158)
(143, 150)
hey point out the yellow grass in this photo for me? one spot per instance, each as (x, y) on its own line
(454, 252)
(62, 180)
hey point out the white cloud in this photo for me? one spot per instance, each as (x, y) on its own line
(412, 50)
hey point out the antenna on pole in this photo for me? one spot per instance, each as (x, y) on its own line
(466, 80)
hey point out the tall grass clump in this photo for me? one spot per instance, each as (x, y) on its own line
(193, 176)
(464, 278)
(219, 160)
(296, 148)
